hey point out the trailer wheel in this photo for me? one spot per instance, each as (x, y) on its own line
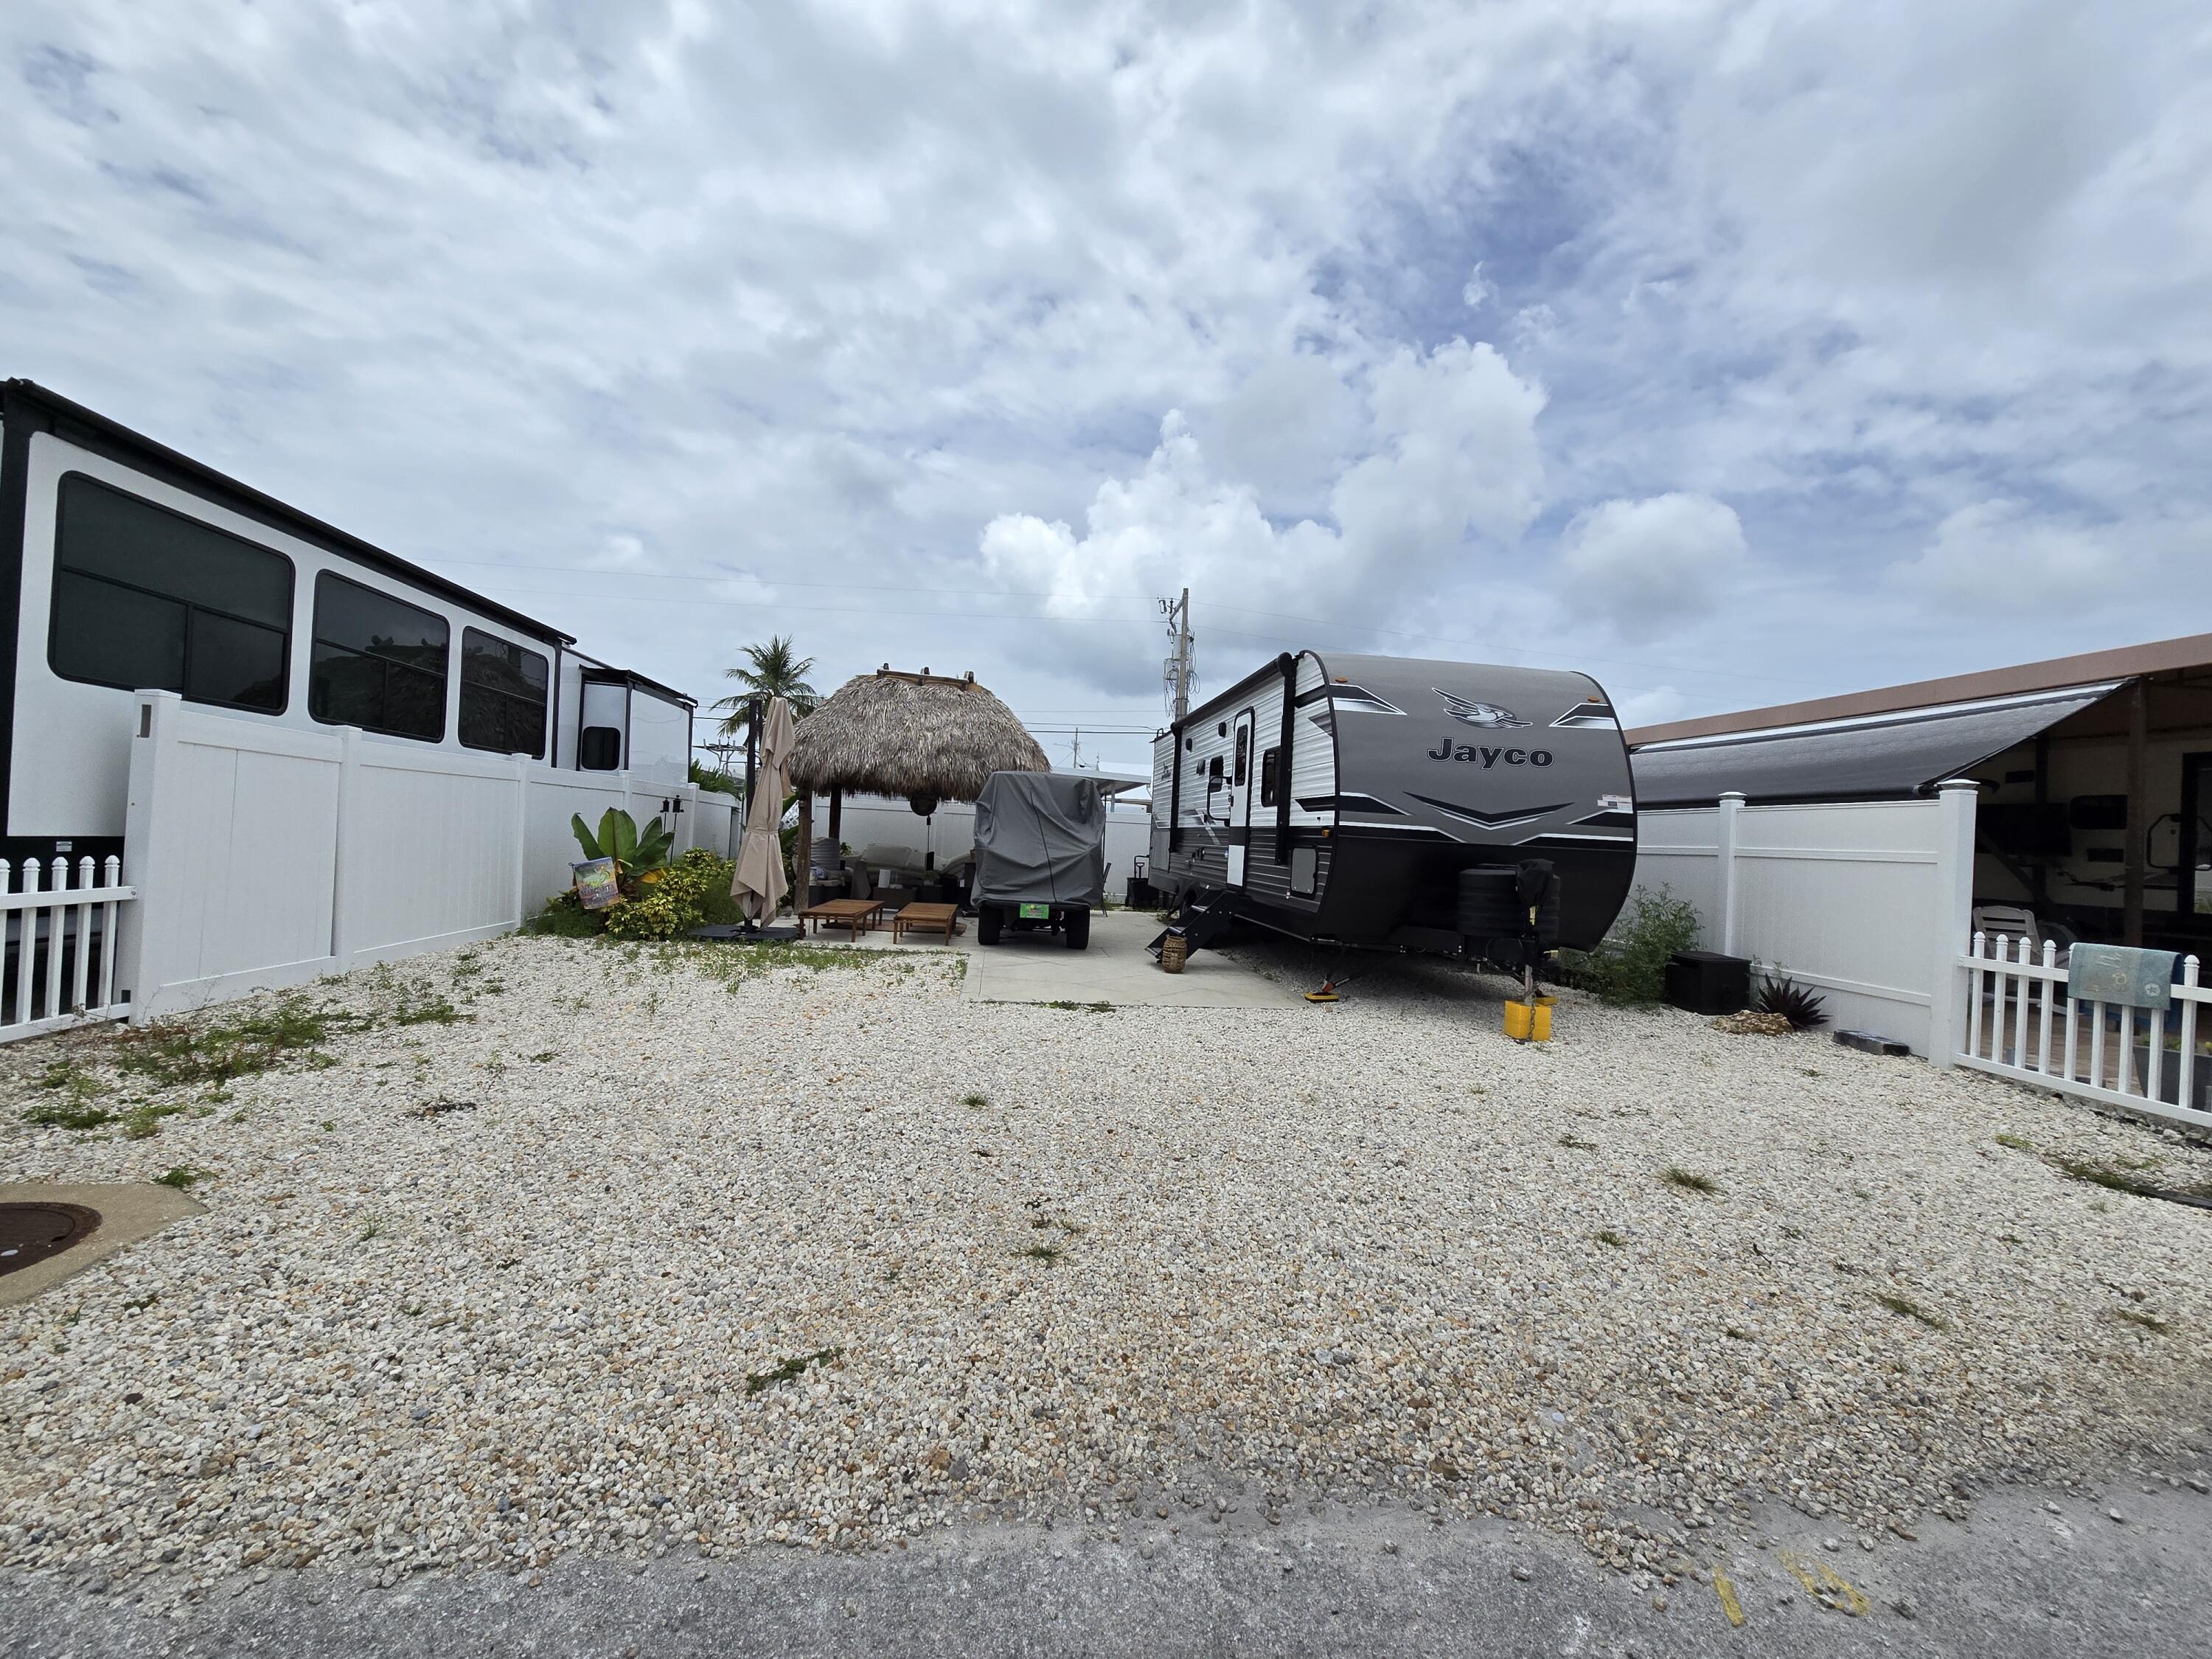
(988, 919)
(1077, 927)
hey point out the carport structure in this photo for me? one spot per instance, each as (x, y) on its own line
(1926, 856)
(2093, 775)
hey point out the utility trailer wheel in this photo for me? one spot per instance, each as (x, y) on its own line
(988, 919)
(1077, 929)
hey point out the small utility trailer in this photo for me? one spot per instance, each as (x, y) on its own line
(1040, 856)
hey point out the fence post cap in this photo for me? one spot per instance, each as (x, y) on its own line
(1954, 785)
(1737, 795)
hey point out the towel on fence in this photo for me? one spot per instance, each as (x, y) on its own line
(2119, 973)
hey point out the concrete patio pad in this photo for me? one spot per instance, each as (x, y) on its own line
(1116, 968)
(129, 1211)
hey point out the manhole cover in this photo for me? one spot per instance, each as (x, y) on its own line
(30, 1233)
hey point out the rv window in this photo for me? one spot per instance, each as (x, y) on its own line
(598, 749)
(1243, 755)
(148, 599)
(1267, 759)
(378, 663)
(502, 696)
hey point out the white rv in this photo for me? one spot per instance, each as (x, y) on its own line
(127, 567)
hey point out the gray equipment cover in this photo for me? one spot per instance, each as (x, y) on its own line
(1040, 839)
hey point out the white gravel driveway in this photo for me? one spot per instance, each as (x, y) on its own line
(982, 1259)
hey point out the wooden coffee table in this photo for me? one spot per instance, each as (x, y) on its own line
(852, 914)
(929, 917)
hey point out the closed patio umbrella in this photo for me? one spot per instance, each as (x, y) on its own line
(759, 883)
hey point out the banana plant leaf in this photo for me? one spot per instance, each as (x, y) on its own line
(618, 838)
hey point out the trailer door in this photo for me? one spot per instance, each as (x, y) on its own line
(1242, 788)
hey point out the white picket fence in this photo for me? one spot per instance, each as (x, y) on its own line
(2111, 1054)
(60, 967)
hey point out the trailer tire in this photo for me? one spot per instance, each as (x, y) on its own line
(1078, 928)
(988, 919)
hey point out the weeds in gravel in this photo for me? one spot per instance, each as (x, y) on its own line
(975, 1102)
(374, 1230)
(1905, 1308)
(1688, 1180)
(1572, 1144)
(790, 1369)
(1083, 1007)
(420, 1007)
(542, 1057)
(294, 1029)
(2100, 1175)
(1610, 1239)
(1047, 1254)
(2016, 1143)
(183, 1178)
(65, 1114)
(2149, 1322)
(144, 1122)
(77, 1105)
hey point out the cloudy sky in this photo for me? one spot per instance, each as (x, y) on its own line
(1732, 352)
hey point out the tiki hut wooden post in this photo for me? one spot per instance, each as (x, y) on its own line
(802, 858)
(927, 737)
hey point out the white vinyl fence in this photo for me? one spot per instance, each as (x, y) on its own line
(263, 856)
(2022, 1024)
(1865, 901)
(60, 969)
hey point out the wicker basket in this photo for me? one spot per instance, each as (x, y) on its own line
(1173, 951)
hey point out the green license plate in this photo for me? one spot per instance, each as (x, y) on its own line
(1040, 912)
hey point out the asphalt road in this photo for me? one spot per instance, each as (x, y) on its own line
(2033, 1572)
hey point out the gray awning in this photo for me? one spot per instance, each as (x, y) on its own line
(1879, 757)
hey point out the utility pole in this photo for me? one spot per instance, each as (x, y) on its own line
(1178, 676)
(1075, 751)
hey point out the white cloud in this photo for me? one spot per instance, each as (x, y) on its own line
(817, 294)
(1655, 707)
(1643, 565)
(1451, 452)
(2002, 555)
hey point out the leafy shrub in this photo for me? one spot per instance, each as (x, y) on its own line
(1631, 965)
(565, 917)
(692, 892)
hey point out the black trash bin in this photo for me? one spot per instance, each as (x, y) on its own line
(1707, 982)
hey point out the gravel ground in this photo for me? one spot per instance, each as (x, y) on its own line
(712, 1256)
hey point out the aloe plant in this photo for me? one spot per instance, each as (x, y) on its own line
(618, 838)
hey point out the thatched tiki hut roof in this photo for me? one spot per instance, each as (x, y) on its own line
(923, 736)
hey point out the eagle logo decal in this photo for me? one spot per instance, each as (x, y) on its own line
(1488, 715)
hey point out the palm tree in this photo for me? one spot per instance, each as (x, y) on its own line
(769, 670)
